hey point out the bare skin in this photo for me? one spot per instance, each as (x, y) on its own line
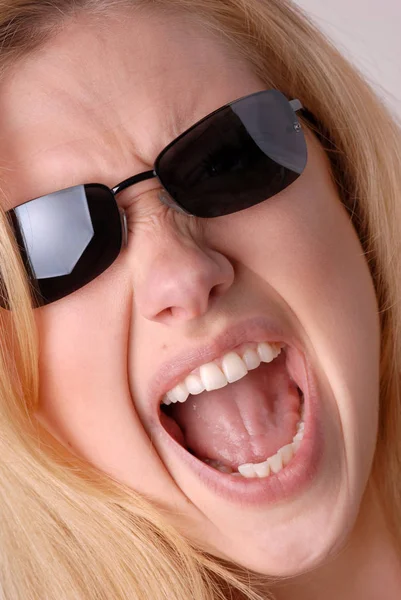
(367, 567)
(102, 104)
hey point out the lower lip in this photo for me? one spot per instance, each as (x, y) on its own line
(295, 477)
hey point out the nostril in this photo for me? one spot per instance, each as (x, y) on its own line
(221, 288)
(215, 290)
(166, 314)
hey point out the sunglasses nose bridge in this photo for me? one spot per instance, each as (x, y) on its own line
(167, 200)
(124, 226)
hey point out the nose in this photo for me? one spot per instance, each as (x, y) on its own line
(178, 279)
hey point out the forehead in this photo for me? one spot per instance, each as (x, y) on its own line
(103, 99)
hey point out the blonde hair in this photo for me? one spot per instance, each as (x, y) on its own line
(69, 531)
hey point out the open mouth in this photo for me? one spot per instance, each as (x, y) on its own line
(241, 414)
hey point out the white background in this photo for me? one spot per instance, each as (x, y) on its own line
(369, 33)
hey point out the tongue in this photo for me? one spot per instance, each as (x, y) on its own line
(246, 421)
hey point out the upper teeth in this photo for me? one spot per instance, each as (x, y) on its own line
(215, 375)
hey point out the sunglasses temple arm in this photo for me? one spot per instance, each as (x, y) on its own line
(296, 105)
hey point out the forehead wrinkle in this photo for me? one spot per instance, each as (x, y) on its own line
(95, 45)
(145, 131)
(75, 82)
(75, 109)
(73, 79)
(78, 112)
(104, 154)
(47, 172)
(95, 145)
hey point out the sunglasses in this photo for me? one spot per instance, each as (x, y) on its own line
(236, 157)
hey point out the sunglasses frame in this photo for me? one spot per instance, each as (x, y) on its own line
(295, 104)
(164, 196)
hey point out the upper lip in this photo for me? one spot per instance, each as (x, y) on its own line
(173, 371)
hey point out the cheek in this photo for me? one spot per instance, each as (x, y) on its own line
(78, 332)
(83, 393)
(79, 336)
(300, 250)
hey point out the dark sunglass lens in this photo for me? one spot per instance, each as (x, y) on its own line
(67, 239)
(237, 157)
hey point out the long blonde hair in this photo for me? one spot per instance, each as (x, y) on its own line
(69, 531)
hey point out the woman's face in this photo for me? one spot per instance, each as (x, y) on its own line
(98, 104)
